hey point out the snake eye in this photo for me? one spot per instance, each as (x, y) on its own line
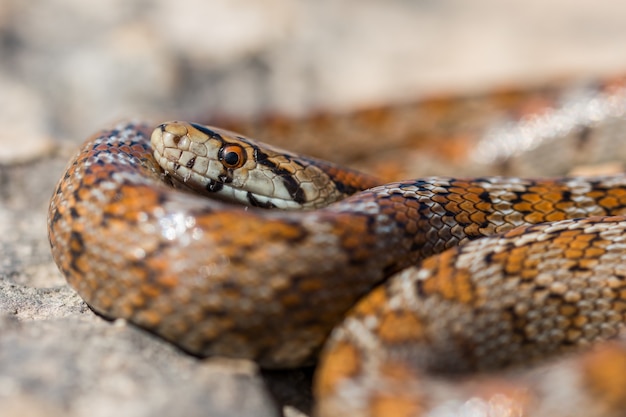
(232, 156)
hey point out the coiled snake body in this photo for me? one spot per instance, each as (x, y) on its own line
(547, 277)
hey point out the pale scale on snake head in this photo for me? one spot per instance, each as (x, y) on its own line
(501, 296)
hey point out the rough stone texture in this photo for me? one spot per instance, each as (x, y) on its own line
(67, 67)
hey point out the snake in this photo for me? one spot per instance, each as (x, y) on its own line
(425, 297)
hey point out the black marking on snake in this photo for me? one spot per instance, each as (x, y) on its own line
(56, 216)
(422, 185)
(210, 133)
(262, 158)
(225, 179)
(98, 160)
(485, 196)
(416, 246)
(344, 188)
(214, 186)
(481, 180)
(419, 289)
(191, 163)
(391, 269)
(519, 198)
(293, 187)
(76, 246)
(256, 203)
(566, 195)
(488, 258)
(578, 267)
(519, 330)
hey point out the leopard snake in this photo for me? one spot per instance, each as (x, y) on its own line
(525, 321)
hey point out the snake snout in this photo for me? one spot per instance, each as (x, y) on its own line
(168, 140)
(163, 130)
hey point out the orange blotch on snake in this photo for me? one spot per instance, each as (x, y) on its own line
(587, 263)
(565, 238)
(161, 264)
(341, 362)
(473, 194)
(478, 217)
(554, 196)
(83, 194)
(609, 202)
(151, 291)
(400, 327)
(555, 216)
(354, 237)
(449, 282)
(463, 216)
(385, 405)
(150, 318)
(596, 194)
(82, 264)
(472, 230)
(573, 254)
(523, 207)
(372, 303)
(594, 252)
(103, 147)
(168, 281)
(532, 197)
(515, 263)
(544, 207)
(397, 371)
(618, 193)
(581, 242)
(483, 208)
(456, 195)
(130, 201)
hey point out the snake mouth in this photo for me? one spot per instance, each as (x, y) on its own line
(214, 186)
(223, 190)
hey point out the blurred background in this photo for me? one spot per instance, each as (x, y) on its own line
(67, 67)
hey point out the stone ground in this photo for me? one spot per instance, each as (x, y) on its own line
(67, 67)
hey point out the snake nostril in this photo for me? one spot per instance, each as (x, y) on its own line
(175, 132)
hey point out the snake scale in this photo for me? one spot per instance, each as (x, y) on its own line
(496, 291)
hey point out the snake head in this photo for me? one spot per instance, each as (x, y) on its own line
(231, 167)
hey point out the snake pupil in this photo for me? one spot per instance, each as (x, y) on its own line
(231, 158)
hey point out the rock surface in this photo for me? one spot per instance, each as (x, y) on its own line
(69, 67)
